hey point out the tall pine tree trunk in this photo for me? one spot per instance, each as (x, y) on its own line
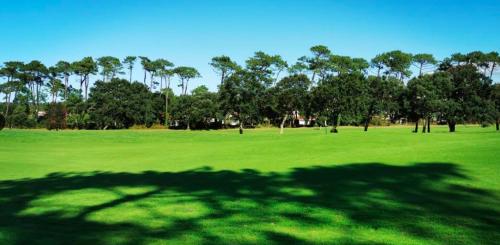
(428, 124)
(7, 100)
(86, 87)
(167, 124)
(424, 126)
(151, 81)
(282, 125)
(166, 110)
(37, 97)
(130, 75)
(81, 84)
(66, 78)
(161, 83)
(222, 78)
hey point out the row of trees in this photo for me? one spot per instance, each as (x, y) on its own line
(320, 89)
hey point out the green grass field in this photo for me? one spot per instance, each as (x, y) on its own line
(384, 186)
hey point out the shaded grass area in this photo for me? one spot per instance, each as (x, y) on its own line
(347, 204)
(384, 186)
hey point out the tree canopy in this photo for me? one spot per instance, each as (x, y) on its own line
(322, 88)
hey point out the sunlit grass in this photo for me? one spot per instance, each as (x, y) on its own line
(386, 185)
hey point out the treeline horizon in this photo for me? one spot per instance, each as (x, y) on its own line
(321, 88)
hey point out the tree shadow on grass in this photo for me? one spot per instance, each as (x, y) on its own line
(340, 204)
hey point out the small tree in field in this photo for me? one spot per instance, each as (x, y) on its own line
(340, 96)
(239, 95)
(290, 93)
(382, 96)
(119, 104)
(464, 95)
(426, 98)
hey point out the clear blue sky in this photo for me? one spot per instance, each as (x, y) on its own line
(191, 32)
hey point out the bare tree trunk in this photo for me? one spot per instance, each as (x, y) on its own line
(166, 110)
(367, 122)
(424, 126)
(276, 78)
(241, 127)
(282, 125)
(222, 78)
(7, 99)
(416, 126)
(161, 83)
(13, 104)
(37, 97)
(451, 126)
(32, 96)
(498, 124)
(428, 124)
(151, 81)
(130, 75)
(492, 69)
(66, 78)
(186, 89)
(166, 102)
(144, 77)
(86, 86)
(81, 84)
(182, 86)
(8, 120)
(420, 72)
